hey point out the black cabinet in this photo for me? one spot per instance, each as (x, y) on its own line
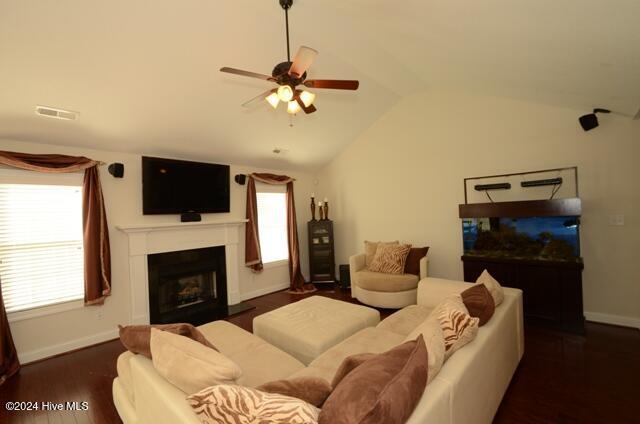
(321, 251)
(552, 291)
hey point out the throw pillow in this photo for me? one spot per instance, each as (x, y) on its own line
(390, 259)
(479, 302)
(431, 332)
(349, 364)
(189, 365)
(384, 389)
(412, 266)
(493, 286)
(227, 404)
(309, 389)
(457, 326)
(370, 248)
(136, 338)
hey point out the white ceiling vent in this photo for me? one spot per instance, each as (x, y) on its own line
(52, 112)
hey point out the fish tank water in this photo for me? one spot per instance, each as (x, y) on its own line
(555, 238)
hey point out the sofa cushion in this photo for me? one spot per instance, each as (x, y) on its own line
(383, 389)
(412, 265)
(123, 367)
(431, 331)
(390, 259)
(309, 389)
(479, 302)
(136, 337)
(493, 286)
(369, 340)
(189, 365)
(260, 362)
(370, 248)
(391, 283)
(458, 327)
(405, 320)
(227, 404)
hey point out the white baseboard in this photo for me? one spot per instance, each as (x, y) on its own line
(613, 319)
(34, 355)
(263, 291)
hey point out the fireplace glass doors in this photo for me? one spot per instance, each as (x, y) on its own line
(187, 286)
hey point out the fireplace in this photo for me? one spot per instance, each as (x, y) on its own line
(187, 286)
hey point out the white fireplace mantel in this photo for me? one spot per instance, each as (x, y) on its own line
(147, 239)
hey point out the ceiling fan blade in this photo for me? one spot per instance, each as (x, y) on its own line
(246, 73)
(334, 84)
(260, 96)
(304, 58)
(306, 109)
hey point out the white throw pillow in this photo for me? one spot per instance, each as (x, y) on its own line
(225, 404)
(189, 365)
(434, 340)
(492, 285)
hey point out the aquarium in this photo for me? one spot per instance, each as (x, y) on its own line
(555, 238)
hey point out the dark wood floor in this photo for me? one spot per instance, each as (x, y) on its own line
(562, 378)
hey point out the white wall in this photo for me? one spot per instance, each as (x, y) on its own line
(403, 179)
(40, 337)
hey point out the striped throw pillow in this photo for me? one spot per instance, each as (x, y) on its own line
(228, 404)
(458, 328)
(390, 259)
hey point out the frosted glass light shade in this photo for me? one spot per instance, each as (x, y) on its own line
(307, 98)
(285, 93)
(273, 100)
(293, 107)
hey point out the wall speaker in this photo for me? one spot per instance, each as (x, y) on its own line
(241, 179)
(190, 217)
(590, 121)
(116, 169)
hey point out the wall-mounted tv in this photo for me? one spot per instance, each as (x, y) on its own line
(175, 186)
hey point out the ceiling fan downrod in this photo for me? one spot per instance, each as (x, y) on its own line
(286, 5)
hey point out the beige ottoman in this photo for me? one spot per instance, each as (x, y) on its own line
(307, 328)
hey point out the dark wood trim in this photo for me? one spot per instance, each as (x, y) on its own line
(522, 209)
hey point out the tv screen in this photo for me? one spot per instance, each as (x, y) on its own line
(176, 186)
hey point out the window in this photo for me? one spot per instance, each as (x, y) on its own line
(272, 223)
(41, 249)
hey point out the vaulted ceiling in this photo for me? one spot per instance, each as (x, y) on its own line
(144, 74)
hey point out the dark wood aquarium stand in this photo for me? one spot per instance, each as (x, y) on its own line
(552, 290)
(321, 251)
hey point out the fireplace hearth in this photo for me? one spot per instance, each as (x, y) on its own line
(187, 286)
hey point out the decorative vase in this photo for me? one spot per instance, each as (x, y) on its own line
(313, 208)
(325, 207)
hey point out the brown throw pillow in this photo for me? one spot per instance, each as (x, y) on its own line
(412, 265)
(137, 338)
(390, 259)
(384, 389)
(309, 389)
(349, 364)
(479, 302)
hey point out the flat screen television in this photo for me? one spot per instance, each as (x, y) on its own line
(176, 186)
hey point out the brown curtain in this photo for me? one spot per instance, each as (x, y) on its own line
(97, 254)
(9, 363)
(252, 240)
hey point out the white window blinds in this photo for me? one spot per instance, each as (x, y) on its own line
(41, 250)
(272, 226)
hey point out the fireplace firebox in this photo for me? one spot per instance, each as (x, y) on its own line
(187, 286)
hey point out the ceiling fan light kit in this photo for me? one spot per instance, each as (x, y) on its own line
(288, 75)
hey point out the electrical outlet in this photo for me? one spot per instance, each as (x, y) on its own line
(616, 220)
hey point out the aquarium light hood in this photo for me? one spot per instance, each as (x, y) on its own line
(570, 207)
(540, 183)
(497, 186)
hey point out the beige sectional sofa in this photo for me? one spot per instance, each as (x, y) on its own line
(467, 390)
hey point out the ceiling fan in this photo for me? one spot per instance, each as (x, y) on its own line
(289, 75)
